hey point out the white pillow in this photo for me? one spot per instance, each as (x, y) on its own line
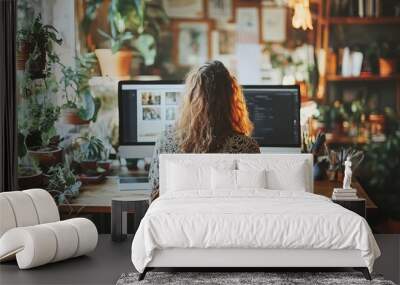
(251, 179)
(182, 177)
(280, 174)
(236, 179)
(223, 179)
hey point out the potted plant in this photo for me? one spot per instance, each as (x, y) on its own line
(382, 171)
(89, 154)
(36, 118)
(133, 25)
(29, 174)
(35, 48)
(62, 183)
(80, 107)
(387, 59)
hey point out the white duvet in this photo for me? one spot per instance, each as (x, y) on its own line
(252, 218)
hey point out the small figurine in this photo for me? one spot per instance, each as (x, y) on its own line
(347, 174)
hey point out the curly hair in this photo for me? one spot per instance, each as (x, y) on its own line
(213, 109)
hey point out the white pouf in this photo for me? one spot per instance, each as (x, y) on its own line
(31, 230)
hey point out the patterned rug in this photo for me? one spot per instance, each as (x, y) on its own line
(243, 278)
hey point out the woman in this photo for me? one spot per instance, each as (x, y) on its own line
(213, 119)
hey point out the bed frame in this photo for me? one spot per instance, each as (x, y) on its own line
(250, 258)
(242, 259)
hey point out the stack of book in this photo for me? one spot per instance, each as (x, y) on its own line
(344, 194)
(356, 8)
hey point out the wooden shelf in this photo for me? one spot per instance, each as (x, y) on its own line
(362, 21)
(373, 77)
(344, 139)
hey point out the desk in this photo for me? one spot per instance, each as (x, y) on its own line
(97, 198)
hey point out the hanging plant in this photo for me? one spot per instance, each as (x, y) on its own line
(37, 40)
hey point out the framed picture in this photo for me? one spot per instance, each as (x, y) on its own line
(223, 41)
(221, 10)
(184, 9)
(273, 24)
(192, 44)
(248, 25)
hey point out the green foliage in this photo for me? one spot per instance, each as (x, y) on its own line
(40, 39)
(91, 148)
(37, 116)
(382, 164)
(129, 20)
(387, 50)
(63, 182)
(77, 81)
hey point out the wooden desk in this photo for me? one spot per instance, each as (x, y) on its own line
(97, 198)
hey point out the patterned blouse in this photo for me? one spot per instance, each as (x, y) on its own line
(168, 144)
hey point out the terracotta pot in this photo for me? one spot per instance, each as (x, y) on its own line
(46, 156)
(71, 117)
(377, 124)
(88, 165)
(29, 181)
(22, 55)
(117, 65)
(387, 66)
(106, 165)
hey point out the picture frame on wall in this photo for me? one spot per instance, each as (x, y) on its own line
(248, 25)
(273, 24)
(192, 42)
(184, 9)
(221, 10)
(224, 41)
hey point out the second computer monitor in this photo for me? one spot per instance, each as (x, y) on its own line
(275, 113)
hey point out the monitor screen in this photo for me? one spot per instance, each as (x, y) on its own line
(146, 108)
(275, 113)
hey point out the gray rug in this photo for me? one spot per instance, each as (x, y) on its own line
(269, 278)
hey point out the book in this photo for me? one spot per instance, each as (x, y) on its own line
(345, 199)
(340, 190)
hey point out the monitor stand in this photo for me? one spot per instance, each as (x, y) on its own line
(132, 183)
(283, 150)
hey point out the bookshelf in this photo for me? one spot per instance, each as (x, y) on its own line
(373, 77)
(362, 21)
(324, 39)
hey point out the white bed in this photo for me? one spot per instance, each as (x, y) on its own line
(247, 211)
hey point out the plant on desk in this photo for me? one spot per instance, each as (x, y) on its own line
(90, 153)
(62, 183)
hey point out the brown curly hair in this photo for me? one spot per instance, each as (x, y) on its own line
(213, 109)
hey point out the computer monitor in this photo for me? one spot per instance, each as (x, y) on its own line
(275, 113)
(146, 108)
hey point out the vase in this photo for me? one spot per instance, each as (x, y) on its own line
(70, 116)
(46, 156)
(387, 66)
(115, 65)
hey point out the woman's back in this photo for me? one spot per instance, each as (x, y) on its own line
(213, 118)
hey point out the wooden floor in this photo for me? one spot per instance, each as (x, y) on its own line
(110, 260)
